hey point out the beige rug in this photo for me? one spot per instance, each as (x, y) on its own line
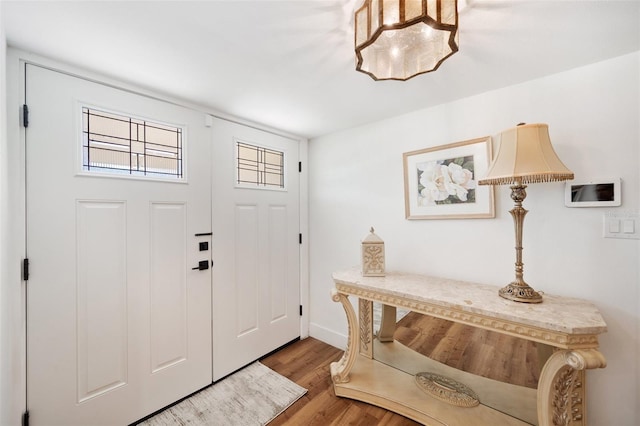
(254, 395)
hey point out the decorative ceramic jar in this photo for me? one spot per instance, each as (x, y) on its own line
(372, 256)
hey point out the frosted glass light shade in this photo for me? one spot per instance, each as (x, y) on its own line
(399, 39)
(526, 156)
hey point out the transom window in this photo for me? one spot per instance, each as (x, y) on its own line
(259, 167)
(115, 143)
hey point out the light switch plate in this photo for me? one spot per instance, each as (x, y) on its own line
(614, 225)
(623, 225)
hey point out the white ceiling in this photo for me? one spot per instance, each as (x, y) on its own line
(290, 64)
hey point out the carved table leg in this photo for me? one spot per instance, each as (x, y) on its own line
(340, 369)
(561, 388)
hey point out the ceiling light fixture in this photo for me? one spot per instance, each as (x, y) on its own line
(418, 36)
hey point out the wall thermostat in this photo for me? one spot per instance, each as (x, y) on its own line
(596, 193)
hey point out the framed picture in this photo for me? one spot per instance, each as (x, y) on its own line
(442, 182)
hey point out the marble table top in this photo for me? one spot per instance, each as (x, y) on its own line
(555, 313)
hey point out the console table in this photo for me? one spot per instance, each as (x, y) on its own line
(380, 371)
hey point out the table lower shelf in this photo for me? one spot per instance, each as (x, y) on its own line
(379, 384)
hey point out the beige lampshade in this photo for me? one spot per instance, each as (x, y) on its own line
(525, 155)
(399, 39)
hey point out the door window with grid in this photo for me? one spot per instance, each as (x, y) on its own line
(259, 167)
(125, 145)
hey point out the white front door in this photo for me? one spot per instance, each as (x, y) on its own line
(119, 324)
(256, 290)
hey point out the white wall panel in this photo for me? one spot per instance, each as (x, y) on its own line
(168, 268)
(101, 297)
(246, 268)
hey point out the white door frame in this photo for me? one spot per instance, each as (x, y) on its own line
(13, 392)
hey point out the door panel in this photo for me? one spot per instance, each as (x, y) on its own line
(246, 270)
(256, 250)
(119, 325)
(168, 299)
(277, 241)
(101, 297)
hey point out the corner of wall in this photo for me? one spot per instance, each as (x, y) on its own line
(328, 336)
(4, 364)
(12, 292)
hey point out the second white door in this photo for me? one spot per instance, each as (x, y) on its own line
(256, 282)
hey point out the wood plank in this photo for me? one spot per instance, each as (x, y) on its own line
(306, 362)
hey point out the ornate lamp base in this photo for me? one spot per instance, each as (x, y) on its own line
(520, 292)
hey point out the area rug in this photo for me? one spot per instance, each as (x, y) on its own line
(254, 395)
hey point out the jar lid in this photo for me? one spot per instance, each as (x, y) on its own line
(372, 238)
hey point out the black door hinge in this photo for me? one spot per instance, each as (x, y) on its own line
(300, 238)
(300, 310)
(25, 418)
(25, 115)
(300, 166)
(25, 269)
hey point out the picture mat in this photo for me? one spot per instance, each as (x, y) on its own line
(483, 207)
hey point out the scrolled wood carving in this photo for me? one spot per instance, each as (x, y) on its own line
(447, 390)
(561, 399)
(341, 368)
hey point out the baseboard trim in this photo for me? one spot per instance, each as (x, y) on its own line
(328, 336)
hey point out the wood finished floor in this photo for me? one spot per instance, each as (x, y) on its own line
(306, 363)
(481, 352)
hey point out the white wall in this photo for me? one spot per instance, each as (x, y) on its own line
(356, 181)
(12, 365)
(11, 331)
(12, 249)
(4, 361)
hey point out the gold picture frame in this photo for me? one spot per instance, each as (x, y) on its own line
(441, 182)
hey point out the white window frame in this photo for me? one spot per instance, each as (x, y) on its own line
(80, 171)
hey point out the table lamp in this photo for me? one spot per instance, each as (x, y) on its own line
(525, 156)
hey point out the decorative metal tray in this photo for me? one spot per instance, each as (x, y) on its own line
(447, 390)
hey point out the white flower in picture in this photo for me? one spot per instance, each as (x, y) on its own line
(446, 181)
(431, 185)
